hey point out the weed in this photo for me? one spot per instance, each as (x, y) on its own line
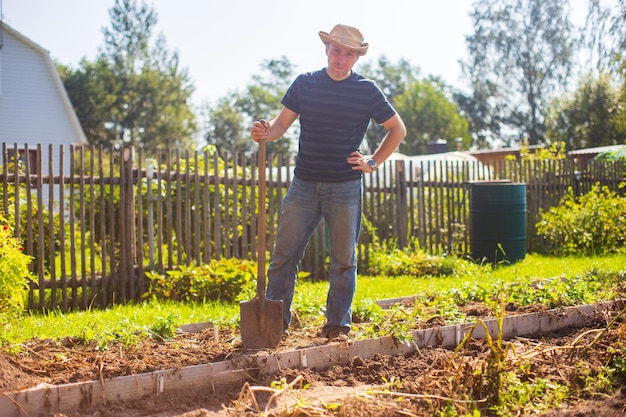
(521, 396)
(393, 385)
(164, 328)
(366, 311)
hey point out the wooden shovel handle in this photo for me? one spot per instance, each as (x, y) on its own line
(260, 291)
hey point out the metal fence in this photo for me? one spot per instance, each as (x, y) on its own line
(96, 228)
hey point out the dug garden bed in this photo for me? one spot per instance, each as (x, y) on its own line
(417, 382)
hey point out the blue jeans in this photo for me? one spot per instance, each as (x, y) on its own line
(304, 206)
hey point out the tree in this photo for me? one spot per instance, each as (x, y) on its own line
(521, 55)
(596, 37)
(135, 93)
(90, 88)
(588, 117)
(229, 118)
(429, 115)
(393, 79)
(593, 115)
(617, 33)
(225, 129)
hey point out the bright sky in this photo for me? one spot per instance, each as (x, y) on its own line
(222, 43)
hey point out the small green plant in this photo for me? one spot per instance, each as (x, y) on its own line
(164, 328)
(14, 272)
(394, 384)
(366, 311)
(590, 224)
(617, 364)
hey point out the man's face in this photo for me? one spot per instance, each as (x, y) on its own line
(340, 61)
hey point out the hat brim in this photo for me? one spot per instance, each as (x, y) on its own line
(326, 38)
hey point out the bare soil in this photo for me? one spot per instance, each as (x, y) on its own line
(414, 385)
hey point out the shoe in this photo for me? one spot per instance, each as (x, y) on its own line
(285, 334)
(336, 334)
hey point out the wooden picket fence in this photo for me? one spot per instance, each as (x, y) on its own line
(96, 219)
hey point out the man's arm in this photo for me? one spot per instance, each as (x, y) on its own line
(274, 129)
(396, 131)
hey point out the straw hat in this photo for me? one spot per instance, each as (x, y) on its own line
(346, 36)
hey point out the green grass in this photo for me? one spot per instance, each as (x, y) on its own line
(473, 281)
(121, 322)
(532, 268)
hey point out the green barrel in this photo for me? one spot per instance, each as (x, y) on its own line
(498, 221)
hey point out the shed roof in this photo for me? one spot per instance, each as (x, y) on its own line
(596, 150)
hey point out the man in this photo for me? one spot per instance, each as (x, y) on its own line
(335, 106)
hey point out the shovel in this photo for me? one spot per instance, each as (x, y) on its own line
(261, 319)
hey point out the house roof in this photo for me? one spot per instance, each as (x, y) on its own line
(595, 151)
(58, 83)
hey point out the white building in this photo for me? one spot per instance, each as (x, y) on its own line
(34, 106)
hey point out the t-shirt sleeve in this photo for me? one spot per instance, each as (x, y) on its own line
(382, 110)
(291, 97)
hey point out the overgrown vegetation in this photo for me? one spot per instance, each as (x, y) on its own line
(392, 261)
(220, 280)
(589, 224)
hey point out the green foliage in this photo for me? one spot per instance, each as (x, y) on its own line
(429, 115)
(588, 117)
(560, 292)
(135, 92)
(393, 79)
(226, 131)
(556, 151)
(222, 280)
(589, 224)
(391, 261)
(520, 394)
(16, 195)
(614, 155)
(617, 364)
(397, 322)
(228, 120)
(14, 272)
(165, 327)
(366, 310)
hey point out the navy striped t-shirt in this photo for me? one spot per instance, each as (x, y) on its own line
(334, 116)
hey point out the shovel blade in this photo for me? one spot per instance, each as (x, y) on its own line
(261, 323)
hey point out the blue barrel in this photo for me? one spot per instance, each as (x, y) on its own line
(498, 221)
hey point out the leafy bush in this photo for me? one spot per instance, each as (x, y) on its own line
(13, 272)
(590, 224)
(220, 280)
(391, 261)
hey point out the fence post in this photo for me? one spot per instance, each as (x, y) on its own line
(150, 201)
(402, 216)
(127, 226)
